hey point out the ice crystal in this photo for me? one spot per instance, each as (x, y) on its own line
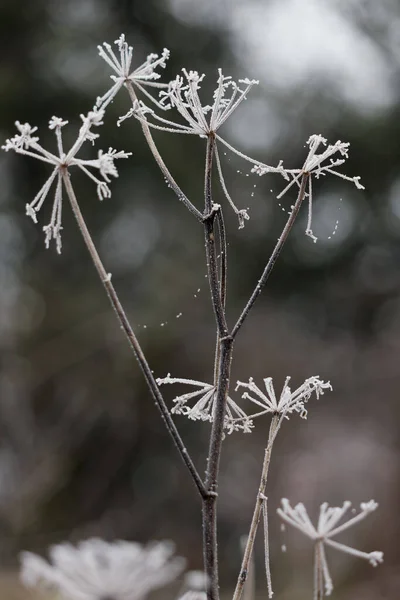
(26, 143)
(315, 165)
(321, 535)
(288, 401)
(96, 569)
(203, 409)
(144, 75)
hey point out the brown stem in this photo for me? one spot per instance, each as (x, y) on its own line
(117, 306)
(210, 546)
(257, 511)
(217, 283)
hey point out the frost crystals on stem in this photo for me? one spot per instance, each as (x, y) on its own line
(144, 75)
(26, 143)
(203, 410)
(321, 535)
(314, 166)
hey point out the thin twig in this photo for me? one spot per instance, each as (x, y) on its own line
(116, 304)
(266, 547)
(163, 167)
(271, 262)
(257, 510)
(250, 587)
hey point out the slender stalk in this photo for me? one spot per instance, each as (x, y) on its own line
(318, 575)
(249, 591)
(224, 257)
(257, 511)
(210, 211)
(223, 281)
(117, 306)
(163, 167)
(271, 262)
(210, 547)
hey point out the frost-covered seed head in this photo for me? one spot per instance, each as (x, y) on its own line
(288, 402)
(201, 119)
(26, 143)
(97, 569)
(315, 165)
(144, 76)
(203, 409)
(326, 528)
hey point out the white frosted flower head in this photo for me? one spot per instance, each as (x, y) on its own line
(25, 143)
(203, 409)
(315, 166)
(321, 534)
(201, 119)
(145, 75)
(96, 569)
(288, 402)
(23, 140)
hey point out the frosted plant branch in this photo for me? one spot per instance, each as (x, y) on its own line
(316, 166)
(289, 402)
(208, 401)
(321, 535)
(26, 143)
(144, 75)
(133, 341)
(201, 120)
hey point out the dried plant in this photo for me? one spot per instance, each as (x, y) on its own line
(138, 570)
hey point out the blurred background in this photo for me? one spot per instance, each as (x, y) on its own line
(83, 450)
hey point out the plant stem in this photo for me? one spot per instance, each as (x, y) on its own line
(163, 167)
(210, 211)
(271, 262)
(134, 343)
(257, 511)
(210, 547)
(223, 283)
(318, 576)
(224, 349)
